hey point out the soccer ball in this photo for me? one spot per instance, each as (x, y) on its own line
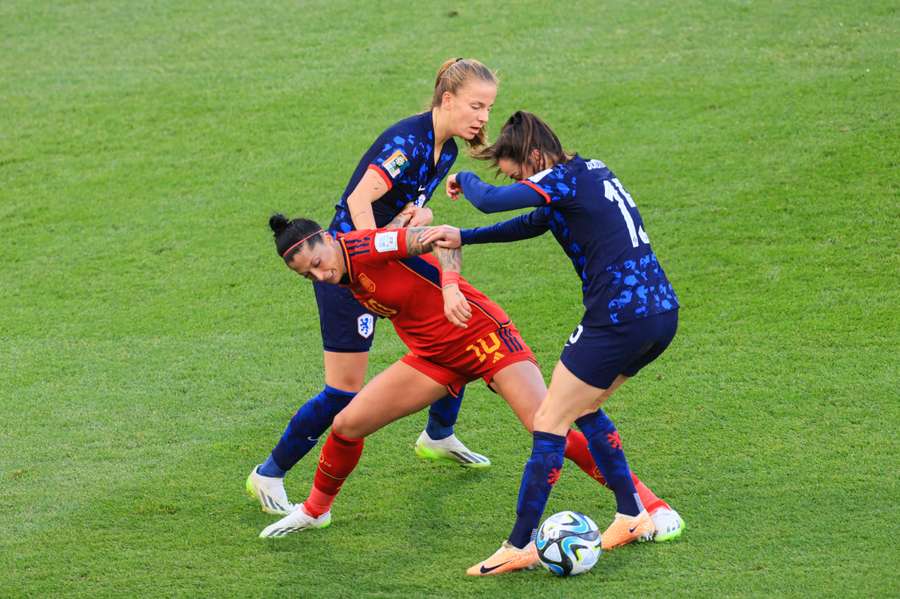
(568, 543)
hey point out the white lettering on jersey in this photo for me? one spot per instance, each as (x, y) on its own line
(386, 242)
(594, 164)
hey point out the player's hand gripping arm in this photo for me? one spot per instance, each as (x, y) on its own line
(403, 217)
(456, 308)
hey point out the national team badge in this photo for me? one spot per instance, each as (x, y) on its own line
(365, 325)
(366, 282)
(395, 164)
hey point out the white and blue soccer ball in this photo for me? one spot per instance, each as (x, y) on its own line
(568, 543)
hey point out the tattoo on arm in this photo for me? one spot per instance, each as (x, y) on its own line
(414, 246)
(450, 260)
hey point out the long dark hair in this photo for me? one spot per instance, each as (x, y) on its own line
(522, 133)
(289, 234)
(452, 75)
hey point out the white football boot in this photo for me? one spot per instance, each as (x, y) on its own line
(294, 522)
(269, 491)
(449, 449)
(668, 523)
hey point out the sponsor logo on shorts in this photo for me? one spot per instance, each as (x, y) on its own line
(365, 325)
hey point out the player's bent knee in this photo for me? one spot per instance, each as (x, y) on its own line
(345, 426)
(547, 420)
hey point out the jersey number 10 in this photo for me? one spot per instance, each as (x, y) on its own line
(614, 192)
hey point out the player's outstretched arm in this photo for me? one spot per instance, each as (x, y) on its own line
(524, 226)
(489, 198)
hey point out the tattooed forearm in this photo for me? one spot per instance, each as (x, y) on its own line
(450, 260)
(414, 245)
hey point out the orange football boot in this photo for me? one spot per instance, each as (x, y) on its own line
(506, 559)
(627, 529)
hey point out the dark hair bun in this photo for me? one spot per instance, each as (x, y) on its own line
(278, 223)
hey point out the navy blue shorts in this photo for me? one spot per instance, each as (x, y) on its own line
(597, 355)
(346, 325)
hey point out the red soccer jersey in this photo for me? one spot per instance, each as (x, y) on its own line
(407, 290)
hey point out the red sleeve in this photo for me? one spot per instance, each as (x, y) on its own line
(371, 246)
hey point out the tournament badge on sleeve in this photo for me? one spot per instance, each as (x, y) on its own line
(365, 325)
(395, 164)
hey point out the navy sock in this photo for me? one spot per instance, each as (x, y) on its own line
(606, 448)
(541, 473)
(271, 468)
(442, 416)
(303, 431)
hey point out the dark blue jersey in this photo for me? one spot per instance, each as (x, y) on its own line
(404, 157)
(596, 222)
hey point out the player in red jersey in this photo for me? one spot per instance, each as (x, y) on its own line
(455, 334)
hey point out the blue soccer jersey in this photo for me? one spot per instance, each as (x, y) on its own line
(404, 157)
(597, 223)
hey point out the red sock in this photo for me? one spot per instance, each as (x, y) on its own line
(577, 451)
(648, 498)
(337, 460)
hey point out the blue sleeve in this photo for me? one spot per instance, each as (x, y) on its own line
(524, 226)
(488, 198)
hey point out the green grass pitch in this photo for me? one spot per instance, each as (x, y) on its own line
(152, 346)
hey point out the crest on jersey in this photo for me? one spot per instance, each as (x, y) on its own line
(420, 201)
(395, 164)
(365, 325)
(367, 283)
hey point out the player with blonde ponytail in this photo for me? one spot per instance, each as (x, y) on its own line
(390, 187)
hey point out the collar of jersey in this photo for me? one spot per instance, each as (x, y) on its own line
(347, 262)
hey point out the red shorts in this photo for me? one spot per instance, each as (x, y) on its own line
(481, 357)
